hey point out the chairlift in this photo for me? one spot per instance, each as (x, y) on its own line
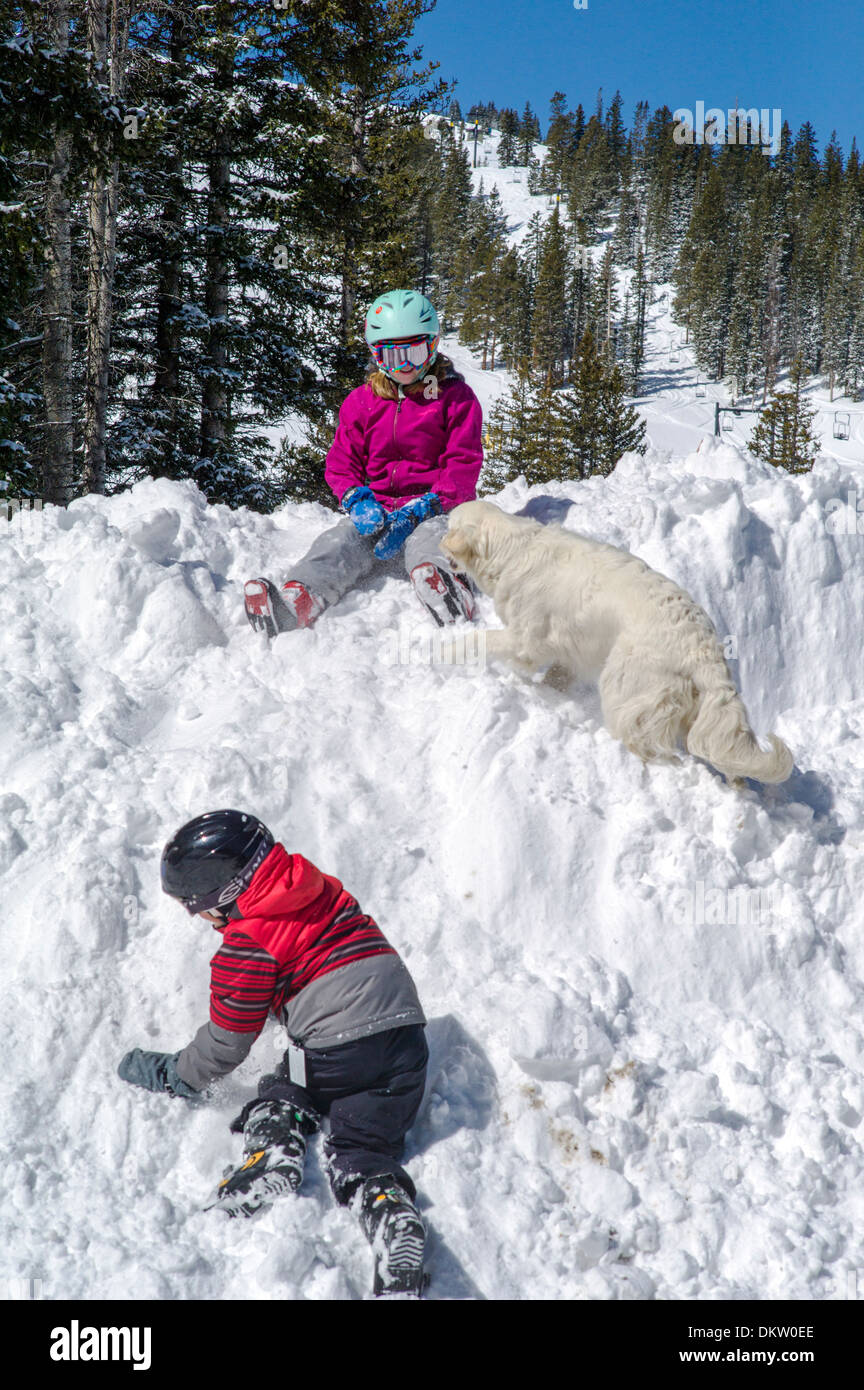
(701, 385)
(727, 422)
(674, 350)
(842, 424)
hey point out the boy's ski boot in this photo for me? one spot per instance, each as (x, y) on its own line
(395, 1230)
(273, 610)
(445, 595)
(274, 1142)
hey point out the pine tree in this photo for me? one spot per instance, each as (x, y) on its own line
(591, 178)
(528, 133)
(481, 252)
(551, 435)
(507, 145)
(603, 309)
(640, 293)
(560, 142)
(449, 220)
(783, 436)
(602, 425)
(509, 434)
(705, 273)
(549, 324)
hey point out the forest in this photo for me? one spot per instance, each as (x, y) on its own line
(199, 202)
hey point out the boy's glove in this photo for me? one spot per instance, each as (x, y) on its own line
(364, 510)
(155, 1071)
(400, 524)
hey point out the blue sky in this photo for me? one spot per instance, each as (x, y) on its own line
(805, 58)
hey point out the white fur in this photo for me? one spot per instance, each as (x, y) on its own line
(597, 613)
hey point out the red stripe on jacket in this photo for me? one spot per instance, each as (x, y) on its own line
(298, 924)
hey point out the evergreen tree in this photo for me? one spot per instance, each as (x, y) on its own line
(603, 308)
(601, 425)
(51, 114)
(558, 435)
(627, 229)
(591, 178)
(507, 145)
(640, 291)
(783, 436)
(449, 220)
(527, 135)
(509, 434)
(549, 325)
(705, 273)
(560, 142)
(481, 252)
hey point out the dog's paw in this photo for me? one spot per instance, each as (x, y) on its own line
(558, 678)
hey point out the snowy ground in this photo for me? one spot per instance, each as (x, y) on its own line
(643, 1084)
(625, 1100)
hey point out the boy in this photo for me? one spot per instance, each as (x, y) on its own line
(296, 944)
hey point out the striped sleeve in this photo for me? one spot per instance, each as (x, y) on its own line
(242, 985)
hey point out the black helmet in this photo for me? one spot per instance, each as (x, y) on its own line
(210, 861)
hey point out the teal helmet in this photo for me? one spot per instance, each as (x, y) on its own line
(402, 331)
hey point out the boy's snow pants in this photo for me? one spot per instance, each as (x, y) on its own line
(371, 1090)
(340, 557)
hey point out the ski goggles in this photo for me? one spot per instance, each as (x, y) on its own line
(405, 354)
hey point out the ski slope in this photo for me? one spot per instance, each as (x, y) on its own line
(676, 418)
(644, 989)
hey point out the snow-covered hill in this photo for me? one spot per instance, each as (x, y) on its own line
(644, 988)
(638, 1087)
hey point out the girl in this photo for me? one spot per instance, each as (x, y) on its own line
(406, 451)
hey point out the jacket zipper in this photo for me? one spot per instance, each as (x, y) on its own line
(399, 401)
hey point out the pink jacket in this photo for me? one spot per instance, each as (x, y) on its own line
(401, 449)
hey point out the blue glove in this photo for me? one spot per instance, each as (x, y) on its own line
(400, 524)
(155, 1071)
(364, 510)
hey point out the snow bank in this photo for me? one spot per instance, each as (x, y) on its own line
(644, 989)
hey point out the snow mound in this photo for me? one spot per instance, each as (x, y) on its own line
(644, 989)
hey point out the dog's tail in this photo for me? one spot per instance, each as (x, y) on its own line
(721, 733)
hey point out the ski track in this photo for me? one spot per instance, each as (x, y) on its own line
(623, 1102)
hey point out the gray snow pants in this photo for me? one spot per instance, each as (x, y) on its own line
(340, 557)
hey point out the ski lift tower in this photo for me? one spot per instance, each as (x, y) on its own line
(475, 126)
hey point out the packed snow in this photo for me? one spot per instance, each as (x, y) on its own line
(644, 987)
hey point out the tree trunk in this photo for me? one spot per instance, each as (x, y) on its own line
(166, 383)
(102, 230)
(214, 404)
(59, 465)
(357, 169)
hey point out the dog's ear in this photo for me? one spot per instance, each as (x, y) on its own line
(461, 542)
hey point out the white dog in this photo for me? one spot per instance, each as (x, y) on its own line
(598, 613)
